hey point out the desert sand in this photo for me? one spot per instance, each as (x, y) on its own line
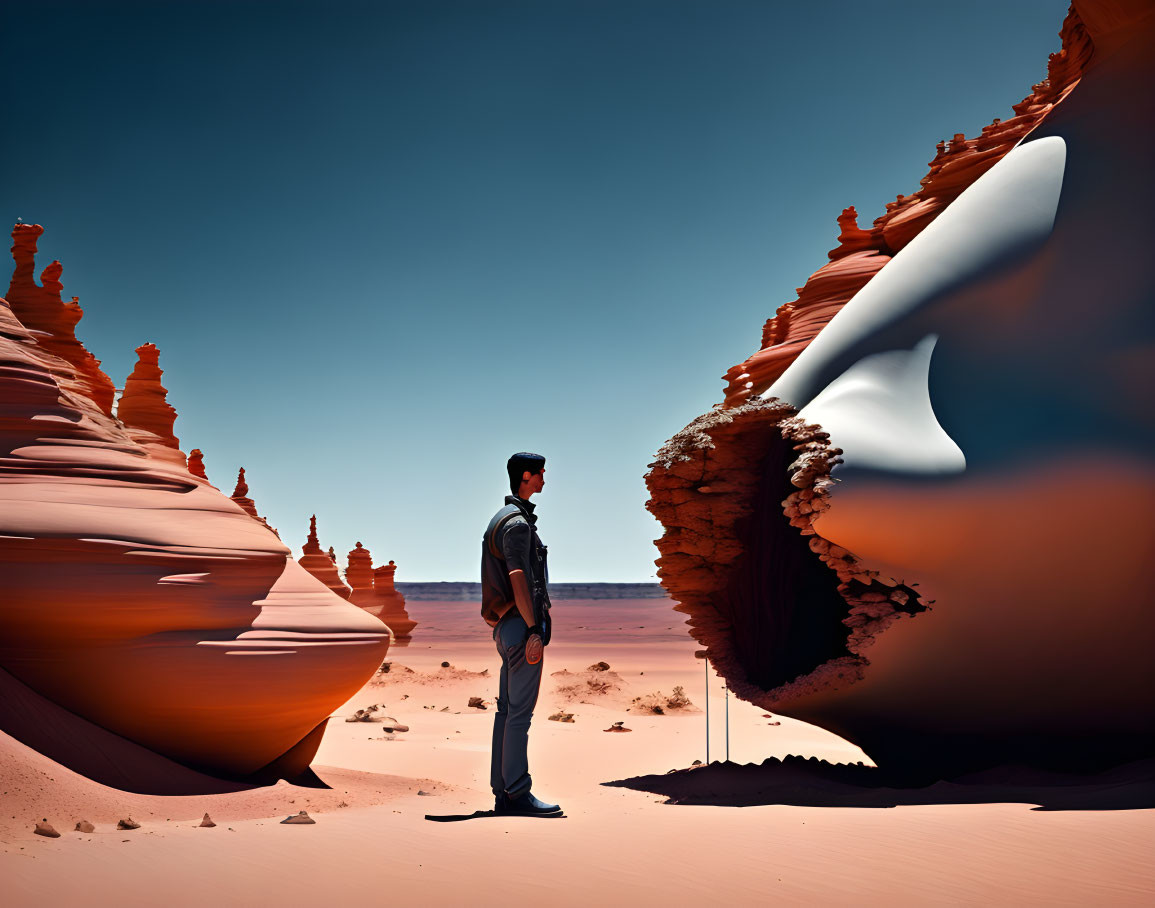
(371, 843)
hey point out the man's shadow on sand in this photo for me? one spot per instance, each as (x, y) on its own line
(810, 782)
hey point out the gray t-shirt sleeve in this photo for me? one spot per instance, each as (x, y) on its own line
(515, 543)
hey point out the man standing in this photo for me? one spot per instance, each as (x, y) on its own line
(516, 604)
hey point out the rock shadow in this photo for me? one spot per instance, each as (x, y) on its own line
(810, 782)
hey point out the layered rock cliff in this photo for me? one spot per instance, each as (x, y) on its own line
(888, 527)
(861, 254)
(136, 596)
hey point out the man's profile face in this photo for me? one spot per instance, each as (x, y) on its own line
(536, 481)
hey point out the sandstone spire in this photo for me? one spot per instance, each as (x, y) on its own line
(392, 603)
(359, 573)
(373, 590)
(143, 403)
(196, 464)
(241, 497)
(314, 560)
(39, 308)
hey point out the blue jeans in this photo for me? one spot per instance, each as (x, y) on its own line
(517, 696)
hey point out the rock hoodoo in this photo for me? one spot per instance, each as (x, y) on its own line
(392, 602)
(314, 560)
(136, 594)
(39, 308)
(373, 590)
(241, 497)
(144, 409)
(359, 574)
(143, 403)
(196, 464)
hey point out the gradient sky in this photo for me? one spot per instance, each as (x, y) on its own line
(382, 246)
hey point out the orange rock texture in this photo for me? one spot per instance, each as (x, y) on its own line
(144, 409)
(39, 308)
(809, 628)
(136, 596)
(392, 603)
(359, 573)
(241, 497)
(373, 590)
(319, 564)
(861, 254)
(196, 464)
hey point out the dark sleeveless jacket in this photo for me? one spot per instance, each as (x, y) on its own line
(511, 543)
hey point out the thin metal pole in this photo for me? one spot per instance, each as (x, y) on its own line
(727, 722)
(707, 661)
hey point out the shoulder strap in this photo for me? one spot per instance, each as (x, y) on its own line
(500, 519)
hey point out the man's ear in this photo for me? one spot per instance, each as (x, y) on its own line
(525, 476)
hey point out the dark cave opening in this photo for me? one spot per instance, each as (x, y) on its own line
(781, 600)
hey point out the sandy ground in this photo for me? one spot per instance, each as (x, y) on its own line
(372, 844)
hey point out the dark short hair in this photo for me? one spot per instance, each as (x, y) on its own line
(521, 462)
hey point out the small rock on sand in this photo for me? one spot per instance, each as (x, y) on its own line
(425, 794)
(445, 665)
(618, 726)
(395, 727)
(299, 819)
(599, 667)
(207, 821)
(560, 716)
(45, 829)
(129, 823)
(85, 826)
(477, 702)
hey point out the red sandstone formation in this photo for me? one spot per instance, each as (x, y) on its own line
(392, 602)
(359, 572)
(246, 504)
(373, 590)
(137, 598)
(144, 409)
(940, 620)
(707, 486)
(143, 403)
(314, 560)
(40, 309)
(861, 254)
(196, 464)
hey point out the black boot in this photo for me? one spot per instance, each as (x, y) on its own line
(527, 805)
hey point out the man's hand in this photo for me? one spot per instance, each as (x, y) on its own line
(533, 645)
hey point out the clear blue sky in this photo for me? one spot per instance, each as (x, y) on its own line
(381, 246)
